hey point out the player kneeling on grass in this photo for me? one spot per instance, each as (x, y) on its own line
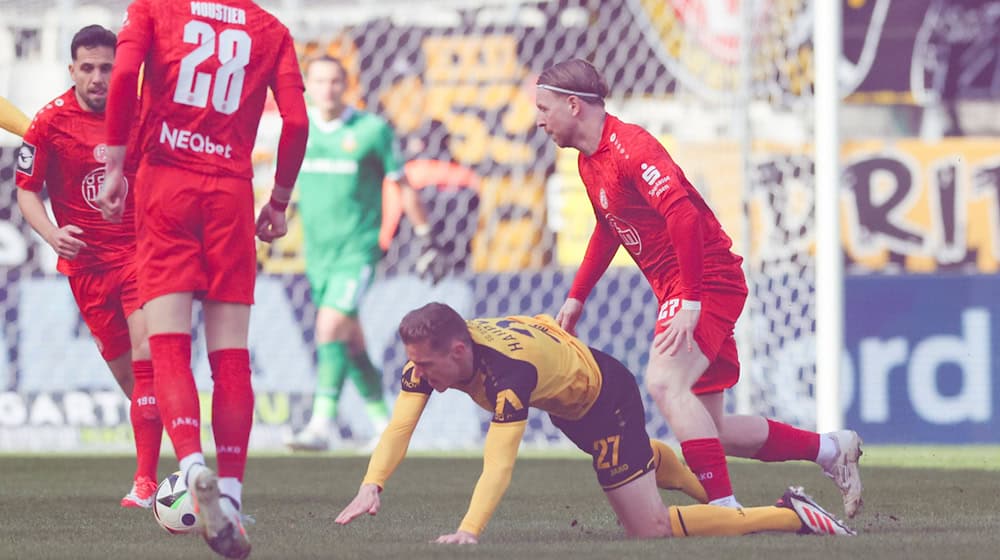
(510, 364)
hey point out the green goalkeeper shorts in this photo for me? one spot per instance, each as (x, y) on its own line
(341, 287)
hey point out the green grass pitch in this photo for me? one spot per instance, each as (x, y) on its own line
(920, 502)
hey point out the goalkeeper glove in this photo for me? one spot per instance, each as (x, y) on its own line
(431, 263)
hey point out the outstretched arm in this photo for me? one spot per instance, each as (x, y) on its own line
(502, 442)
(388, 454)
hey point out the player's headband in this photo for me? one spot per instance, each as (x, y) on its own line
(569, 91)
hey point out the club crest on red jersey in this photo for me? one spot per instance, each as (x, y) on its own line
(91, 185)
(603, 196)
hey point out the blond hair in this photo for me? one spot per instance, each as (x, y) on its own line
(575, 77)
(435, 322)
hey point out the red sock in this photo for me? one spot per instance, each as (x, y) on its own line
(232, 409)
(176, 393)
(145, 417)
(707, 460)
(788, 443)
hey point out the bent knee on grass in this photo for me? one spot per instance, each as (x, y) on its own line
(640, 509)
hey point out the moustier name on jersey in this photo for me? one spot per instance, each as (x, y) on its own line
(195, 142)
(219, 12)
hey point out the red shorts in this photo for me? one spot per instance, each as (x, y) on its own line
(195, 233)
(106, 298)
(714, 335)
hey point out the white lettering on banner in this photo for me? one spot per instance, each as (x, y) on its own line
(79, 410)
(13, 410)
(877, 358)
(74, 409)
(970, 352)
(110, 403)
(45, 411)
(195, 142)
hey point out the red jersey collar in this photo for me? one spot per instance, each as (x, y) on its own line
(610, 124)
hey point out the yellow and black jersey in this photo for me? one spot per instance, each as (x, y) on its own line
(524, 362)
(520, 362)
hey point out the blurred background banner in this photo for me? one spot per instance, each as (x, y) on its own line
(922, 365)
(726, 85)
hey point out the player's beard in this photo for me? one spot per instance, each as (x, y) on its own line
(96, 104)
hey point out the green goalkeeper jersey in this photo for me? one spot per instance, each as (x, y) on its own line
(340, 187)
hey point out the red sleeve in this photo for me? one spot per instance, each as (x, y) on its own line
(33, 157)
(685, 224)
(655, 175)
(662, 183)
(600, 250)
(289, 95)
(133, 44)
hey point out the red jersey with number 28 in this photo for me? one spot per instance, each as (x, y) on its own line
(208, 66)
(634, 186)
(64, 151)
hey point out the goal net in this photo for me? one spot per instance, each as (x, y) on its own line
(726, 87)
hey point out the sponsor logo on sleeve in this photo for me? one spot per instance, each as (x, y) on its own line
(26, 159)
(658, 182)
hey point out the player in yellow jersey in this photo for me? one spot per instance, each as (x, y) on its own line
(12, 119)
(510, 364)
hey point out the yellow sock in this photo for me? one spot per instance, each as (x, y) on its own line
(671, 474)
(718, 521)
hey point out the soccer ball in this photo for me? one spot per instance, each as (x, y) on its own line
(173, 506)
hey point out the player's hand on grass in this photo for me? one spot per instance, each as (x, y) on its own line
(64, 243)
(569, 314)
(271, 223)
(367, 501)
(679, 334)
(458, 537)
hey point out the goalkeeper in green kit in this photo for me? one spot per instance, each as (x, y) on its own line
(350, 152)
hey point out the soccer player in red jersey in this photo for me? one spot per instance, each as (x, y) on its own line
(64, 151)
(643, 201)
(208, 66)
